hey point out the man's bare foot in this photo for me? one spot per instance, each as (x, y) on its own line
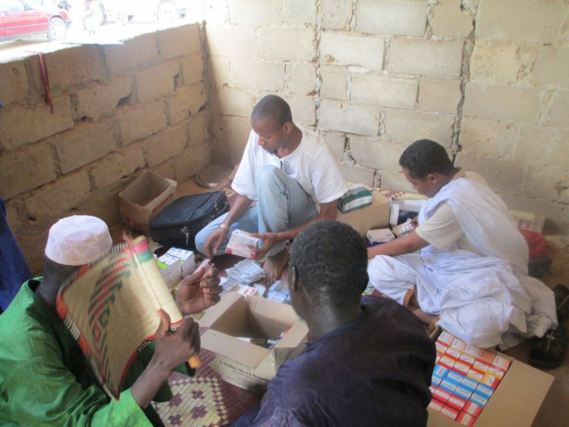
(275, 265)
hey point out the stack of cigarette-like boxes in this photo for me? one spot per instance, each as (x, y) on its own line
(464, 378)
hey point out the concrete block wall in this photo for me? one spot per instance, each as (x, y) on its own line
(118, 110)
(486, 78)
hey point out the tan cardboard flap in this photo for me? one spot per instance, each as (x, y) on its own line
(517, 398)
(272, 317)
(293, 336)
(216, 311)
(243, 352)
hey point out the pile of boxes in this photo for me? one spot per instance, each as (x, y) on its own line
(464, 379)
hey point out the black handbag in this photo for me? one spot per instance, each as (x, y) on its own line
(179, 222)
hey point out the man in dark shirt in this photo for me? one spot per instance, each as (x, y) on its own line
(368, 362)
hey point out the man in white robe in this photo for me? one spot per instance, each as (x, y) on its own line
(465, 265)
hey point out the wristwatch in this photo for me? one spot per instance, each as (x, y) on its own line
(224, 226)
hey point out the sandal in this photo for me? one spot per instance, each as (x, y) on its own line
(561, 293)
(548, 352)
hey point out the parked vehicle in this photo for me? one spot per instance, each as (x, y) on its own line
(21, 18)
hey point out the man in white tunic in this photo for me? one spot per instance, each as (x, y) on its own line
(287, 179)
(465, 262)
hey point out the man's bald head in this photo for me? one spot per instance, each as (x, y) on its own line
(274, 108)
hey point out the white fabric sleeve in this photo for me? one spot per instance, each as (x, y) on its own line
(442, 229)
(327, 180)
(244, 181)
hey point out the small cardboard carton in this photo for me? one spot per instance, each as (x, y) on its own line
(144, 197)
(241, 363)
(176, 264)
(372, 216)
(512, 400)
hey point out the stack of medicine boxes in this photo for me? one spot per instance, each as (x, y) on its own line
(464, 378)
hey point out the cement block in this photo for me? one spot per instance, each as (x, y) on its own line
(275, 44)
(520, 20)
(493, 61)
(13, 82)
(551, 67)
(384, 91)
(84, 144)
(439, 96)
(336, 141)
(166, 169)
(233, 102)
(25, 169)
(336, 14)
(156, 82)
(166, 144)
(187, 100)
(198, 128)
(374, 153)
(485, 137)
(21, 124)
(256, 12)
(558, 111)
(140, 51)
(269, 76)
(141, 120)
(352, 49)
(344, 117)
(216, 12)
(231, 135)
(193, 160)
(405, 17)
(179, 41)
(100, 98)
(448, 20)
(58, 196)
(75, 65)
(442, 58)
(301, 78)
(501, 102)
(218, 70)
(395, 181)
(300, 12)
(542, 147)
(231, 41)
(404, 127)
(113, 168)
(334, 83)
(502, 175)
(356, 174)
(303, 109)
(193, 69)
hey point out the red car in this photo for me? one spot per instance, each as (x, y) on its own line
(18, 18)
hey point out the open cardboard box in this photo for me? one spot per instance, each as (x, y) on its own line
(375, 215)
(241, 363)
(515, 402)
(145, 196)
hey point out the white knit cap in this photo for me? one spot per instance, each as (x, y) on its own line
(77, 240)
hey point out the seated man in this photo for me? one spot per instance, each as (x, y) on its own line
(368, 362)
(291, 175)
(472, 267)
(44, 377)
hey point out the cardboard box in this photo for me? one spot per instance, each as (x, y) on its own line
(375, 215)
(144, 197)
(244, 364)
(515, 402)
(176, 264)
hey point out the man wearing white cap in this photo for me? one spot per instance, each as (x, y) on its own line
(44, 377)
